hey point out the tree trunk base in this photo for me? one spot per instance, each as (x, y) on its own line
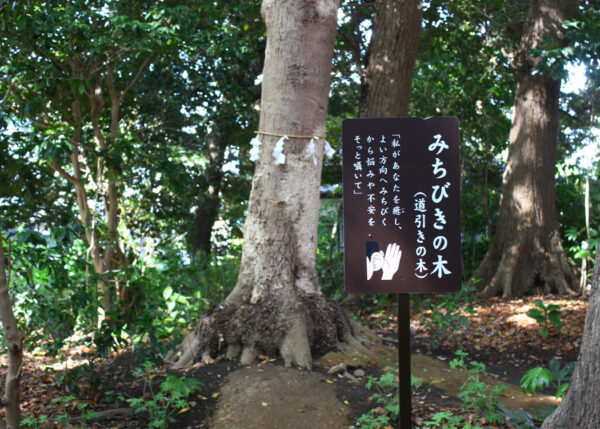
(297, 332)
(525, 267)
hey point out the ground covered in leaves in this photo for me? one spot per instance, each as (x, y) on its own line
(498, 333)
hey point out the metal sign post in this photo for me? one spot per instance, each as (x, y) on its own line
(404, 360)
(401, 216)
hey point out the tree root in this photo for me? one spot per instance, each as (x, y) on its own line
(297, 332)
(112, 414)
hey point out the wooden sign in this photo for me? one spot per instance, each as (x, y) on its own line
(401, 205)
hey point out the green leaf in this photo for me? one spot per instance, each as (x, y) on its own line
(540, 304)
(562, 390)
(536, 379)
(167, 292)
(554, 317)
(536, 314)
(544, 332)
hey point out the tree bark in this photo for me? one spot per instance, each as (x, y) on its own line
(387, 81)
(208, 207)
(526, 254)
(14, 344)
(581, 407)
(277, 306)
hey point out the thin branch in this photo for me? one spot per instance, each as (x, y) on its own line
(64, 174)
(41, 124)
(135, 78)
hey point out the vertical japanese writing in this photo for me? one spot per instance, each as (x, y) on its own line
(439, 192)
(376, 163)
(420, 210)
(397, 209)
(358, 167)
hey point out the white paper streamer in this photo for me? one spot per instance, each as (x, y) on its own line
(278, 151)
(329, 151)
(255, 151)
(310, 150)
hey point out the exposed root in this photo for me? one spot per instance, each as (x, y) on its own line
(249, 355)
(185, 352)
(112, 414)
(297, 332)
(295, 348)
(525, 268)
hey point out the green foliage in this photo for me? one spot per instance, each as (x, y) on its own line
(55, 296)
(330, 256)
(387, 398)
(546, 315)
(538, 378)
(476, 395)
(52, 297)
(64, 418)
(35, 422)
(447, 420)
(445, 313)
(171, 397)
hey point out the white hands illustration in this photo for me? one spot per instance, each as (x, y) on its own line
(388, 263)
(391, 261)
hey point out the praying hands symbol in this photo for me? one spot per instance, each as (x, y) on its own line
(388, 263)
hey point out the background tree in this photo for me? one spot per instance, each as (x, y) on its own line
(72, 77)
(526, 252)
(388, 74)
(14, 341)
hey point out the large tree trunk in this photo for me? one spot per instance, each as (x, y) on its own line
(526, 253)
(14, 345)
(385, 90)
(581, 408)
(277, 306)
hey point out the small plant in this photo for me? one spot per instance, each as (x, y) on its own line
(172, 395)
(35, 423)
(546, 315)
(65, 417)
(447, 420)
(476, 395)
(445, 313)
(387, 398)
(538, 378)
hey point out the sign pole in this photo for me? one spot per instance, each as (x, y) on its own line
(404, 360)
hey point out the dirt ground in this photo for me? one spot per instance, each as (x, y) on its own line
(266, 395)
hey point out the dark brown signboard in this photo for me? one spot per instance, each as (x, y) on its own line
(401, 205)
